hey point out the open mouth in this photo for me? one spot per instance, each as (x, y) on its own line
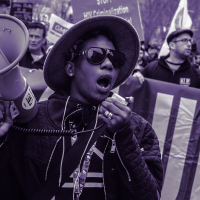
(104, 81)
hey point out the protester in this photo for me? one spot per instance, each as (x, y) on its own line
(4, 7)
(36, 54)
(152, 51)
(139, 66)
(143, 59)
(196, 61)
(175, 67)
(88, 61)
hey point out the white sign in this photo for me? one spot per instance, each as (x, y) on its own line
(57, 28)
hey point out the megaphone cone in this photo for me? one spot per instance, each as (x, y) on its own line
(14, 39)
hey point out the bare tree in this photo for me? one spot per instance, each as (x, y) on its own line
(158, 14)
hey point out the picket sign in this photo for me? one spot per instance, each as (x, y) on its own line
(174, 112)
(57, 27)
(127, 9)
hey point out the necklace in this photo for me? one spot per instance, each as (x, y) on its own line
(174, 63)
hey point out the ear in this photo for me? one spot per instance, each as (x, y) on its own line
(70, 68)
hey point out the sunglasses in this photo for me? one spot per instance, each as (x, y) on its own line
(97, 55)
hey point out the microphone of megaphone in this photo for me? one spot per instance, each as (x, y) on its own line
(14, 39)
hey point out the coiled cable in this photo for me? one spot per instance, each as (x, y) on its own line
(44, 132)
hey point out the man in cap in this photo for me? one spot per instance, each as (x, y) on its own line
(107, 152)
(4, 6)
(175, 67)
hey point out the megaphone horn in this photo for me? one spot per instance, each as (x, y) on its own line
(14, 39)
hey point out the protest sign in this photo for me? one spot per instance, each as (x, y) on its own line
(22, 11)
(127, 9)
(174, 112)
(57, 27)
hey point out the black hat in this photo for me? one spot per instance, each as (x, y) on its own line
(7, 2)
(125, 37)
(176, 33)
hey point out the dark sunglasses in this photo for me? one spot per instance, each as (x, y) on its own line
(97, 55)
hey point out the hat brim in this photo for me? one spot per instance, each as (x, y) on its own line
(177, 33)
(125, 38)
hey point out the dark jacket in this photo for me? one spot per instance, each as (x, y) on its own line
(133, 171)
(28, 62)
(186, 75)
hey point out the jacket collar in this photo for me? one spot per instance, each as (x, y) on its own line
(59, 107)
(42, 59)
(162, 61)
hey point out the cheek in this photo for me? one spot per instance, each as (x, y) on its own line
(41, 42)
(116, 73)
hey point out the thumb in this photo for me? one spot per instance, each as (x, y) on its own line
(130, 101)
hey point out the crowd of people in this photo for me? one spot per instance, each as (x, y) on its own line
(180, 66)
(100, 149)
(150, 53)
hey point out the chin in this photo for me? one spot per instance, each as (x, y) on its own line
(32, 48)
(99, 99)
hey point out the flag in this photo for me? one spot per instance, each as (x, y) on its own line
(181, 20)
(174, 112)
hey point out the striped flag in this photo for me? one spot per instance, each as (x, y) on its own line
(181, 20)
(174, 112)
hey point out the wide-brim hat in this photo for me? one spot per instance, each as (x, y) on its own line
(125, 39)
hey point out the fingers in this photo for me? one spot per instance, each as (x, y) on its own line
(130, 101)
(139, 76)
(115, 104)
(7, 119)
(112, 122)
(105, 119)
(2, 111)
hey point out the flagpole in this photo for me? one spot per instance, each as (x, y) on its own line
(181, 20)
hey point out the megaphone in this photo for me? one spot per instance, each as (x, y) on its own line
(14, 39)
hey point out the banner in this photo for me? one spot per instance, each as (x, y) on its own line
(181, 20)
(22, 11)
(57, 27)
(174, 112)
(127, 9)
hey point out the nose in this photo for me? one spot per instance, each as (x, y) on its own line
(107, 64)
(32, 39)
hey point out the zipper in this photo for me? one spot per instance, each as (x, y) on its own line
(115, 147)
(129, 178)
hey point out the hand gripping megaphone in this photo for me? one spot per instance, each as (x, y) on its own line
(14, 39)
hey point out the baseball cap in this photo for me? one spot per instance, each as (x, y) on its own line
(177, 33)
